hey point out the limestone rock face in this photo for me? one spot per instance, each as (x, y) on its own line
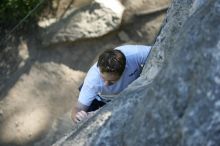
(181, 106)
(93, 20)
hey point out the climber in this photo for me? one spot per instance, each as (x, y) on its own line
(114, 71)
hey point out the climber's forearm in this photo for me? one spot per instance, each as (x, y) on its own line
(78, 108)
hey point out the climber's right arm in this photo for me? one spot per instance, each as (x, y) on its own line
(79, 112)
(88, 92)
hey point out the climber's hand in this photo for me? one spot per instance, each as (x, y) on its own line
(80, 116)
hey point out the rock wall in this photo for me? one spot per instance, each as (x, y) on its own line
(180, 106)
(42, 67)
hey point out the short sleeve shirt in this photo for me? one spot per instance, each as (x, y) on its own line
(136, 57)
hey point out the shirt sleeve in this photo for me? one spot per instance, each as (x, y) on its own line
(90, 87)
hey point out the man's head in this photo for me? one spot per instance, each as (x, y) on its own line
(111, 64)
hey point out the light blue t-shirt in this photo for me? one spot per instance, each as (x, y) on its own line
(136, 56)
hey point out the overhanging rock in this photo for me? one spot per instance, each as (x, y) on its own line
(181, 106)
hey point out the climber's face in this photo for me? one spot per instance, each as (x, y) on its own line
(110, 78)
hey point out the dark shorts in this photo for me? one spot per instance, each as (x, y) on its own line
(95, 103)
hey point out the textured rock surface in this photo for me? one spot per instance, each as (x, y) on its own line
(142, 7)
(94, 20)
(32, 75)
(176, 16)
(181, 106)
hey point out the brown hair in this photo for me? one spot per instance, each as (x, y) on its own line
(112, 61)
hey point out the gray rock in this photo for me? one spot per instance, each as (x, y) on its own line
(94, 20)
(142, 7)
(197, 4)
(181, 106)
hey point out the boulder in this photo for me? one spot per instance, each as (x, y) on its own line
(176, 99)
(94, 20)
(142, 7)
(142, 19)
